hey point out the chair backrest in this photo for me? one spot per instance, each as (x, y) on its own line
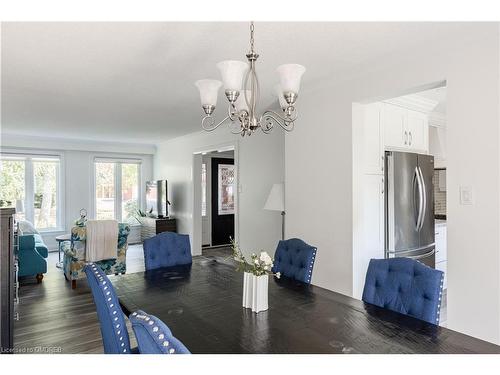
(153, 336)
(295, 259)
(167, 249)
(113, 329)
(406, 286)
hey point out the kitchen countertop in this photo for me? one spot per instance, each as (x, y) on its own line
(439, 223)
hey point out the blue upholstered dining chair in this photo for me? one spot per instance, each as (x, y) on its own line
(113, 329)
(153, 336)
(406, 286)
(295, 259)
(167, 249)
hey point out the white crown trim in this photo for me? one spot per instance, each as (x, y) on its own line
(414, 102)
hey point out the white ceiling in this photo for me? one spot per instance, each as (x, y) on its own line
(133, 82)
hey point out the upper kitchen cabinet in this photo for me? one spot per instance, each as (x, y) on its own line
(417, 125)
(404, 129)
(392, 120)
(437, 139)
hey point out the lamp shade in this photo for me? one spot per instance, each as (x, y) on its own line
(241, 103)
(279, 93)
(276, 199)
(232, 73)
(208, 90)
(290, 75)
(19, 206)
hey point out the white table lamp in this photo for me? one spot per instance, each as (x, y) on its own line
(276, 202)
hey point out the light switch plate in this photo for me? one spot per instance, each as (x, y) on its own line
(466, 197)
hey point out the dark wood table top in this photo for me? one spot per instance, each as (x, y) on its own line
(202, 306)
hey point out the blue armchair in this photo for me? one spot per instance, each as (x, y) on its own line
(32, 254)
(167, 249)
(153, 336)
(111, 318)
(295, 259)
(406, 286)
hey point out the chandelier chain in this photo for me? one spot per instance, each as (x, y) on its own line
(252, 28)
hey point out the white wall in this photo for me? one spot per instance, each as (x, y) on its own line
(319, 187)
(260, 164)
(78, 172)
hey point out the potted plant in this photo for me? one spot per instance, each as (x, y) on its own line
(255, 278)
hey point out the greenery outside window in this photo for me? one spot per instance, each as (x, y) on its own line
(117, 189)
(35, 180)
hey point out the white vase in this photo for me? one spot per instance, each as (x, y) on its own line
(255, 292)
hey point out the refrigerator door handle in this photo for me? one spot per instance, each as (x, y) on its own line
(420, 198)
(413, 183)
(409, 251)
(433, 251)
(424, 199)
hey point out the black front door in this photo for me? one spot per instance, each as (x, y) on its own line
(222, 200)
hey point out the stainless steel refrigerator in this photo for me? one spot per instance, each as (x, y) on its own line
(409, 206)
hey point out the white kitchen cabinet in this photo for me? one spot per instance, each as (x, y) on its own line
(437, 146)
(440, 240)
(368, 229)
(441, 250)
(373, 146)
(373, 216)
(392, 119)
(443, 266)
(404, 129)
(418, 131)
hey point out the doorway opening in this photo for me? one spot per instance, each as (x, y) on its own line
(217, 201)
(392, 215)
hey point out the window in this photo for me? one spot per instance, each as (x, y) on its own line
(34, 180)
(45, 173)
(203, 189)
(226, 189)
(117, 189)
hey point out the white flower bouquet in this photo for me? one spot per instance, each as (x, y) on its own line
(260, 265)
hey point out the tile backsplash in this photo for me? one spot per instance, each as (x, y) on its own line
(439, 195)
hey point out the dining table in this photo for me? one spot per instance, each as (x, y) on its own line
(202, 305)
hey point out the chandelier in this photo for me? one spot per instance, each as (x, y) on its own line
(241, 87)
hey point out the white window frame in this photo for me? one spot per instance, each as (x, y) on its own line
(29, 185)
(118, 183)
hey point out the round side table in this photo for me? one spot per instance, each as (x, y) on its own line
(60, 239)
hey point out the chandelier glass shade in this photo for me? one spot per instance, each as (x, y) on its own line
(241, 88)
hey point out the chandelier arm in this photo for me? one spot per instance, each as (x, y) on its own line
(286, 118)
(208, 123)
(269, 118)
(232, 114)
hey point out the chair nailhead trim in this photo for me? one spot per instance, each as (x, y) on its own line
(111, 305)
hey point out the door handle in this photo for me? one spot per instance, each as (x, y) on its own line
(420, 198)
(424, 198)
(406, 137)
(413, 183)
(411, 139)
(423, 255)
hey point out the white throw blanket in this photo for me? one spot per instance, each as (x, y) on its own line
(102, 240)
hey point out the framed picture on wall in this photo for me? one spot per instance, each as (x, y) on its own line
(226, 189)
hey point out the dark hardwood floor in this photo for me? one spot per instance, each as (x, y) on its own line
(56, 319)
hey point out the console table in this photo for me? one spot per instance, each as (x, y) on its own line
(150, 226)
